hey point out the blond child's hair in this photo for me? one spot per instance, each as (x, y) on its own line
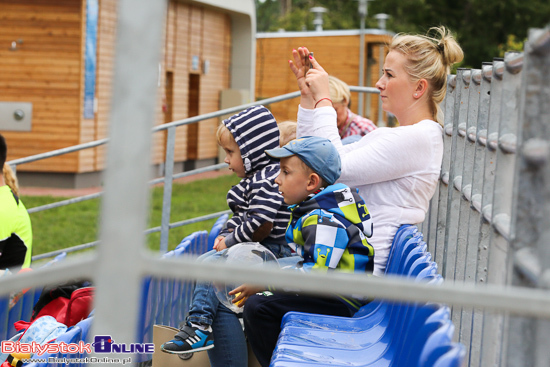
(287, 131)
(339, 91)
(222, 129)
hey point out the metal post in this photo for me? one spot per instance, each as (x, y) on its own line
(457, 180)
(167, 193)
(362, 15)
(381, 48)
(455, 174)
(120, 262)
(483, 322)
(532, 212)
(495, 328)
(467, 255)
(439, 238)
(474, 226)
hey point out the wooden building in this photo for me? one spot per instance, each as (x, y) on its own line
(57, 57)
(337, 51)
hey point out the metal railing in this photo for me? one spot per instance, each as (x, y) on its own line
(488, 221)
(168, 177)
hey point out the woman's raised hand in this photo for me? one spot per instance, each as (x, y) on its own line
(298, 67)
(313, 84)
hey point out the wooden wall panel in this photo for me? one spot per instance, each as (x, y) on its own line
(47, 69)
(182, 61)
(215, 51)
(207, 34)
(339, 56)
(44, 70)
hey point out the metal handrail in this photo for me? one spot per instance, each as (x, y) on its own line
(168, 177)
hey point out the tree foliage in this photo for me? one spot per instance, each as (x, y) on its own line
(483, 28)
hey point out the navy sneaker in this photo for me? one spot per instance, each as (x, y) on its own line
(189, 340)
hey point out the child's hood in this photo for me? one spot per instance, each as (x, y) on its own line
(343, 201)
(254, 130)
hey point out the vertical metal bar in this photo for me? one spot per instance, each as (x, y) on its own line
(120, 262)
(455, 175)
(453, 260)
(532, 212)
(474, 226)
(167, 193)
(381, 122)
(361, 64)
(487, 320)
(368, 97)
(495, 328)
(439, 239)
(467, 255)
(428, 225)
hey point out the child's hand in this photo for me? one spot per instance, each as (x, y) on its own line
(242, 293)
(219, 244)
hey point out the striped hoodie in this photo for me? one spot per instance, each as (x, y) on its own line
(255, 200)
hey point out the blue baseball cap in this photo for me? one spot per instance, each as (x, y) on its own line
(317, 153)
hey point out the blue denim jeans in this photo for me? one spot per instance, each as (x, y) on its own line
(204, 303)
(230, 344)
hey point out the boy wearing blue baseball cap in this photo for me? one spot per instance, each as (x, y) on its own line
(329, 226)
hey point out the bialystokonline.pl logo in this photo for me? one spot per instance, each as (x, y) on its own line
(101, 344)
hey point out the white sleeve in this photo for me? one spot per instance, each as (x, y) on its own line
(305, 122)
(391, 156)
(386, 155)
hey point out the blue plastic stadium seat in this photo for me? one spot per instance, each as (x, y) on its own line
(407, 239)
(382, 352)
(196, 243)
(439, 338)
(454, 357)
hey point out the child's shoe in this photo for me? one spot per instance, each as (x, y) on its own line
(189, 340)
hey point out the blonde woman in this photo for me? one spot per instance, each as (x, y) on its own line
(15, 224)
(395, 169)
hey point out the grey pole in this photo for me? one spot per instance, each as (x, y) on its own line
(120, 261)
(362, 16)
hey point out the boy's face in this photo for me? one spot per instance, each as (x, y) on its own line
(293, 180)
(232, 155)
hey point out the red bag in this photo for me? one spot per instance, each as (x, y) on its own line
(79, 306)
(69, 304)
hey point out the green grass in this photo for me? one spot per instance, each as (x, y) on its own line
(78, 223)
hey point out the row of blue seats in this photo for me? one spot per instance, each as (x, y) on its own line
(381, 333)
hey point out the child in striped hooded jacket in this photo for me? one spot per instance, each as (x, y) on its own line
(259, 215)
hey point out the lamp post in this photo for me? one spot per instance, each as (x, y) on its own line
(318, 21)
(382, 18)
(363, 10)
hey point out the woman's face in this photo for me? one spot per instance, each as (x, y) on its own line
(396, 88)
